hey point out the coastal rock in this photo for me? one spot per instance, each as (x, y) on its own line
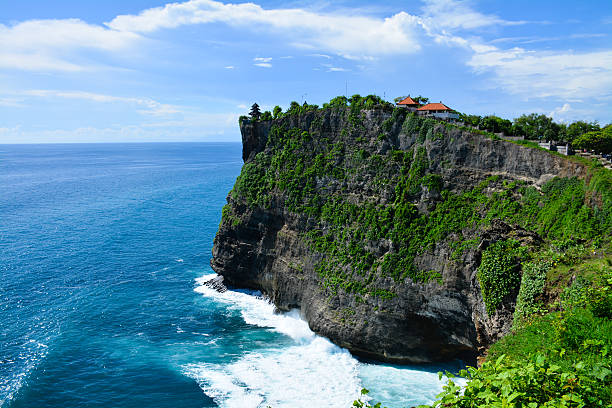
(264, 247)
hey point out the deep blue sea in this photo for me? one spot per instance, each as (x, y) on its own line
(103, 252)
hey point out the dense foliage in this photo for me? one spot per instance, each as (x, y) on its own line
(498, 273)
(297, 163)
(559, 359)
(599, 141)
(531, 126)
(559, 353)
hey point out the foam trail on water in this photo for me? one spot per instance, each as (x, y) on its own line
(310, 373)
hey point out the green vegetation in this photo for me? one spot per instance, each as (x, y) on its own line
(498, 273)
(559, 353)
(296, 162)
(599, 140)
(532, 286)
(533, 127)
(557, 359)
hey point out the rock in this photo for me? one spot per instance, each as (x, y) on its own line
(216, 283)
(264, 247)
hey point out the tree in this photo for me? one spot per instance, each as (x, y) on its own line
(562, 132)
(421, 100)
(495, 124)
(340, 101)
(579, 128)
(277, 112)
(294, 107)
(355, 99)
(600, 141)
(266, 115)
(533, 126)
(399, 99)
(472, 120)
(255, 112)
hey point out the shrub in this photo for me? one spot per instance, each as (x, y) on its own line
(498, 273)
(536, 382)
(532, 286)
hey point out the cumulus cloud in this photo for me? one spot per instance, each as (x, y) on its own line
(354, 36)
(50, 45)
(558, 113)
(57, 44)
(526, 73)
(548, 74)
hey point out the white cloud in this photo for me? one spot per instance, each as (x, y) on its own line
(355, 36)
(336, 69)
(263, 65)
(150, 106)
(12, 102)
(528, 74)
(452, 14)
(558, 113)
(51, 45)
(229, 67)
(195, 126)
(262, 59)
(320, 56)
(548, 74)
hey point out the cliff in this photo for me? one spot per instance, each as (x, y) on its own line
(376, 223)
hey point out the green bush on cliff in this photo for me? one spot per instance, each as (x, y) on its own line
(534, 382)
(498, 273)
(557, 359)
(532, 285)
(297, 166)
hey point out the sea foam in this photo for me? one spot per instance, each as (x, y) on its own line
(311, 372)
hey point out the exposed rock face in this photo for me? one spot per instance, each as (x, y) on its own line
(264, 247)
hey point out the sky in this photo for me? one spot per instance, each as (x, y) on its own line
(151, 70)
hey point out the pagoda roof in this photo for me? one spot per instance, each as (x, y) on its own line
(407, 101)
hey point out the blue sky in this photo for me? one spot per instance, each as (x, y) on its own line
(141, 70)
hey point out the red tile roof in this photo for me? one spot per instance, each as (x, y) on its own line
(435, 107)
(408, 101)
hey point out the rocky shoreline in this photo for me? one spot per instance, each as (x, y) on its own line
(266, 247)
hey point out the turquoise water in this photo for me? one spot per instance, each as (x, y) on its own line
(103, 252)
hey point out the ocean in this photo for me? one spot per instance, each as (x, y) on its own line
(104, 249)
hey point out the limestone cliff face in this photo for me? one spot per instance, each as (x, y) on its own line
(266, 247)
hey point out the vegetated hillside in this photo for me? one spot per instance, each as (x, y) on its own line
(401, 238)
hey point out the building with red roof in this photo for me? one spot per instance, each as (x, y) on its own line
(408, 103)
(438, 110)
